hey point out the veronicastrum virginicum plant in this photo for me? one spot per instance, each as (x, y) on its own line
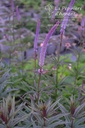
(44, 114)
(43, 49)
(43, 53)
(62, 31)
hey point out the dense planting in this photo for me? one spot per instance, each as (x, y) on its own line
(42, 64)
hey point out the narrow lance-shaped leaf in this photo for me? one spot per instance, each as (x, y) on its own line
(66, 17)
(36, 36)
(44, 47)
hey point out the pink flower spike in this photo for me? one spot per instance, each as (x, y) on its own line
(18, 14)
(44, 47)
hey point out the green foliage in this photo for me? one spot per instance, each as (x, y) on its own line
(76, 118)
(37, 93)
(31, 25)
(10, 116)
(4, 81)
(31, 3)
(46, 115)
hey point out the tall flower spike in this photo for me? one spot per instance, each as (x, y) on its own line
(18, 14)
(56, 2)
(36, 36)
(66, 17)
(12, 6)
(83, 23)
(44, 47)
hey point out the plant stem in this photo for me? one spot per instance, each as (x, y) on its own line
(72, 124)
(77, 68)
(44, 122)
(13, 28)
(39, 83)
(58, 58)
(35, 57)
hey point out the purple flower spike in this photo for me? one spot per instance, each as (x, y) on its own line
(18, 14)
(44, 47)
(71, 4)
(12, 6)
(83, 23)
(66, 17)
(36, 36)
(56, 2)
